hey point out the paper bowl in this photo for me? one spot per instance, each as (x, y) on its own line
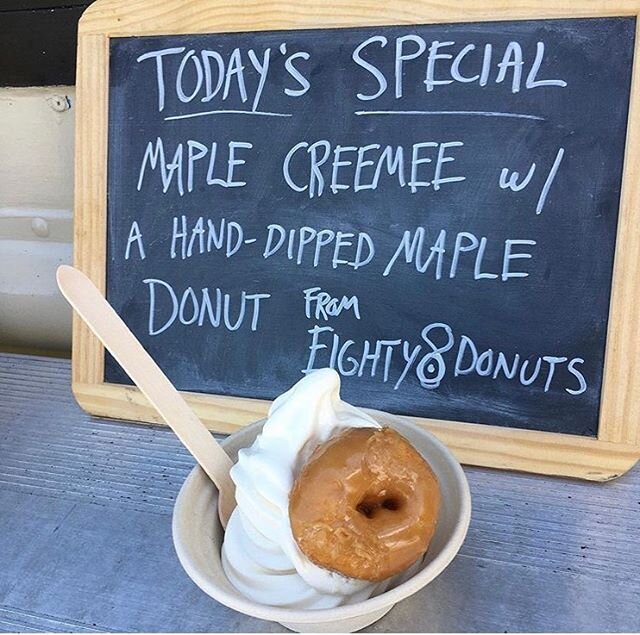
(197, 536)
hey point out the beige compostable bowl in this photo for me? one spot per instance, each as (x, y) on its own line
(197, 536)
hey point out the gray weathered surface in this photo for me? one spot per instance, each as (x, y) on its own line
(85, 534)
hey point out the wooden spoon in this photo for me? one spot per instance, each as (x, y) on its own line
(109, 328)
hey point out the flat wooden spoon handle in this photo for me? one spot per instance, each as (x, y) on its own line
(109, 328)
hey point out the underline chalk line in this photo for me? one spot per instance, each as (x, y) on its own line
(477, 113)
(261, 113)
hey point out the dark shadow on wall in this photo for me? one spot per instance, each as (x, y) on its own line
(39, 40)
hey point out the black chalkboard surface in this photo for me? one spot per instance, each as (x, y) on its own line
(431, 210)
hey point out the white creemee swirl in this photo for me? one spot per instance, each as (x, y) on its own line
(259, 553)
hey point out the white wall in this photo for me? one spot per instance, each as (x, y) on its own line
(36, 202)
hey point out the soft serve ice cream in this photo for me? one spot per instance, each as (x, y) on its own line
(259, 554)
(324, 484)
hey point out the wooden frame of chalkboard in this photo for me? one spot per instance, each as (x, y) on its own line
(617, 446)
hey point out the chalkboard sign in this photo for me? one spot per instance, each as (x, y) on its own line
(431, 209)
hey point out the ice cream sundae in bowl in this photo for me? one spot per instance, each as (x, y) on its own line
(340, 514)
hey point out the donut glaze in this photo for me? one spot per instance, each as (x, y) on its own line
(365, 504)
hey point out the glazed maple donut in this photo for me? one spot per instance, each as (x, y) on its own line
(365, 505)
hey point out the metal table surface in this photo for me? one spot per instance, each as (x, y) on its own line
(85, 534)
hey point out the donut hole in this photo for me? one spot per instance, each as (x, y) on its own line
(372, 505)
(392, 504)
